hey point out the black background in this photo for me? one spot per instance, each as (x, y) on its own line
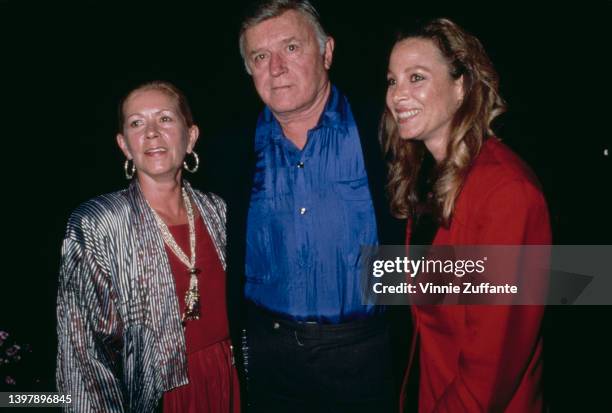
(64, 68)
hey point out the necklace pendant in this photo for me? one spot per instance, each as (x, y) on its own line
(192, 298)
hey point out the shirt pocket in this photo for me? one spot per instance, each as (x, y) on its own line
(353, 189)
(359, 221)
(273, 182)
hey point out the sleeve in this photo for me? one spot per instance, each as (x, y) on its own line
(88, 359)
(502, 341)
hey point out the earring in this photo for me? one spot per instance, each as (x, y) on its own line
(197, 163)
(129, 174)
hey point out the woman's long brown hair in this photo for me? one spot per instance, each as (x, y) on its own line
(470, 126)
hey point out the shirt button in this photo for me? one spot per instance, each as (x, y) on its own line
(300, 164)
(302, 211)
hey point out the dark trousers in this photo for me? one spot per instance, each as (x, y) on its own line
(304, 367)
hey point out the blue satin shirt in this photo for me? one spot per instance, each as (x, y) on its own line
(310, 212)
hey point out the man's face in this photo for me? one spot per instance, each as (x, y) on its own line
(288, 68)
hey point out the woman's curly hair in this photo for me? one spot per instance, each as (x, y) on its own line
(470, 125)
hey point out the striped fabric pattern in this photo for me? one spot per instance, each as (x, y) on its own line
(120, 339)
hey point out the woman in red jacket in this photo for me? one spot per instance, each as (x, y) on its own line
(459, 185)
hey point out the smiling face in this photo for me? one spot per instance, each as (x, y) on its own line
(421, 95)
(288, 68)
(155, 134)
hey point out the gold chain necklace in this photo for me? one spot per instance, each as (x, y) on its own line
(192, 296)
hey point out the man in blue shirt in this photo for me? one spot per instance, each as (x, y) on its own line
(312, 345)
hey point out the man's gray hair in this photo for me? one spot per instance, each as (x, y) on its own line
(269, 9)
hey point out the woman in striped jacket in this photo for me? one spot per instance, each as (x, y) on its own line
(141, 304)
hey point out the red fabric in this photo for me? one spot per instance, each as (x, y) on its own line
(213, 383)
(486, 358)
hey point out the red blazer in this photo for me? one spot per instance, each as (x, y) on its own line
(486, 358)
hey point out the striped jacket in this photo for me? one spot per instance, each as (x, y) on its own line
(120, 339)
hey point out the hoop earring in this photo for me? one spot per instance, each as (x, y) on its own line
(197, 163)
(129, 174)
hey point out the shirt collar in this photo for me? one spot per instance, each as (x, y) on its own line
(335, 115)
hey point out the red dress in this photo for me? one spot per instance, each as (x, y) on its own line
(213, 381)
(486, 358)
